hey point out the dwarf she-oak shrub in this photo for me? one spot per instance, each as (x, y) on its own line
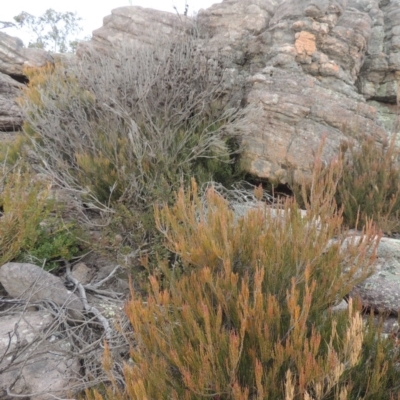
(244, 313)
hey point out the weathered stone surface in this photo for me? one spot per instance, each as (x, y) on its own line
(135, 26)
(379, 78)
(303, 69)
(10, 113)
(41, 369)
(14, 56)
(28, 281)
(313, 69)
(381, 291)
(29, 326)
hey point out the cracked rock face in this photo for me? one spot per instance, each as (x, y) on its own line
(317, 69)
(13, 58)
(10, 113)
(313, 69)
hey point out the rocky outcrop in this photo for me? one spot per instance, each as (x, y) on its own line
(10, 114)
(13, 58)
(311, 74)
(135, 26)
(313, 69)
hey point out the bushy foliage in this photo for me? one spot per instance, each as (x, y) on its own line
(28, 231)
(245, 311)
(126, 128)
(370, 184)
(55, 242)
(12, 152)
(23, 208)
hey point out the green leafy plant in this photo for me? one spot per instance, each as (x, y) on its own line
(55, 241)
(30, 227)
(23, 204)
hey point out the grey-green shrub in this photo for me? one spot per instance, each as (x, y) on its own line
(127, 127)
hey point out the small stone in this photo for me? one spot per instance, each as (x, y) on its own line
(30, 282)
(82, 273)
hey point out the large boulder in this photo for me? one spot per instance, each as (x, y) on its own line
(314, 69)
(310, 76)
(13, 58)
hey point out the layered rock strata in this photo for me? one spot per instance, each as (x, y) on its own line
(13, 58)
(313, 69)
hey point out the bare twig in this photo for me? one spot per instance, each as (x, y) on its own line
(86, 337)
(88, 308)
(103, 281)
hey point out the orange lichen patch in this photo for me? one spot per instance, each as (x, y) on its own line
(305, 43)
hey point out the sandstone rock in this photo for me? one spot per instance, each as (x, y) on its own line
(28, 281)
(28, 326)
(14, 56)
(10, 113)
(233, 27)
(313, 69)
(39, 366)
(381, 291)
(241, 209)
(135, 26)
(380, 74)
(304, 89)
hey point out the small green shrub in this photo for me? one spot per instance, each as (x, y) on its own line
(370, 185)
(55, 241)
(10, 151)
(23, 204)
(30, 229)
